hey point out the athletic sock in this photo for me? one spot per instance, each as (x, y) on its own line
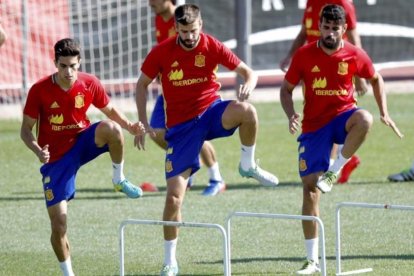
(214, 172)
(339, 149)
(339, 163)
(170, 248)
(118, 172)
(66, 267)
(247, 157)
(312, 249)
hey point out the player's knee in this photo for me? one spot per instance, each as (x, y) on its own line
(173, 202)
(249, 112)
(365, 120)
(58, 226)
(309, 186)
(110, 130)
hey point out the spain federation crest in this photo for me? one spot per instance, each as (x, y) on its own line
(49, 195)
(343, 68)
(168, 166)
(200, 60)
(79, 101)
(302, 165)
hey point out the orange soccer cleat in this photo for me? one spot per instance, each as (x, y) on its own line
(348, 168)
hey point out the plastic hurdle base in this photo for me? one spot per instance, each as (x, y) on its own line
(281, 216)
(338, 230)
(171, 223)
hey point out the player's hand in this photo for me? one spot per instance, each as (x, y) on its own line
(136, 128)
(244, 92)
(44, 154)
(139, 140)
(294, 123)
(389, 122)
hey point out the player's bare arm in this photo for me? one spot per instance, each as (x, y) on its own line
(30, 141)
(377, 83)
(288, 106)
(250, 81)
(141, 101)
(115, 115)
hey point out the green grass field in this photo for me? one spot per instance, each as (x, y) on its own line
(381, 239)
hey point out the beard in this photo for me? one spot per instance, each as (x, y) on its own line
(187, 43)
(330, 43)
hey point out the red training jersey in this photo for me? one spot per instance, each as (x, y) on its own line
(327, 81)
(312, 13)
(188, 78)
(164, 29)
(60, 114)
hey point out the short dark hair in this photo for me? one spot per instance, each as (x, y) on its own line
(187, 14)
(174, 2)
(333, 13)
(67, 47)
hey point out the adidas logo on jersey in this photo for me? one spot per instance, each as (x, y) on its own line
(315, 69)
(54, 105)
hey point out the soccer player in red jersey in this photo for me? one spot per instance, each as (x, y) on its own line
(67, 140)
(195, 112)
(309, 33)
(165, 28)
(326, 68)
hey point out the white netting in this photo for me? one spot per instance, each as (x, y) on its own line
(115, 36)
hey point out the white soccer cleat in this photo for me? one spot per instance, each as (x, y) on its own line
(326, 181)
(264, 177)
(309, 267)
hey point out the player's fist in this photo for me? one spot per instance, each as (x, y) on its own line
(44, 154)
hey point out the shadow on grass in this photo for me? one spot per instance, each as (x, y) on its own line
(298, 260)
(404, 257)
(82, 193)
(301, 259)
(181, 274)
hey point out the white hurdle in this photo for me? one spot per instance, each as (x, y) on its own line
(172, 223)
(338, 230)
(281, 216)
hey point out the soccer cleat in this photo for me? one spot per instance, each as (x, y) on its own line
(264, 177)
(214, 187)
(326, 181)
(169, 270)
(405, 175)
(310, 267)
(190, 182)
(128, 188)
(348, 168)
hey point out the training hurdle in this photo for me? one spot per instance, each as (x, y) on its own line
(172, 223)
(341, 205)
(281, 216)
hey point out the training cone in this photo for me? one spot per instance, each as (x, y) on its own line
(148, 187)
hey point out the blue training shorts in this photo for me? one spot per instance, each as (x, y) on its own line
(158, 114)
(59, 177)
(186, 139)
(315, 147)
